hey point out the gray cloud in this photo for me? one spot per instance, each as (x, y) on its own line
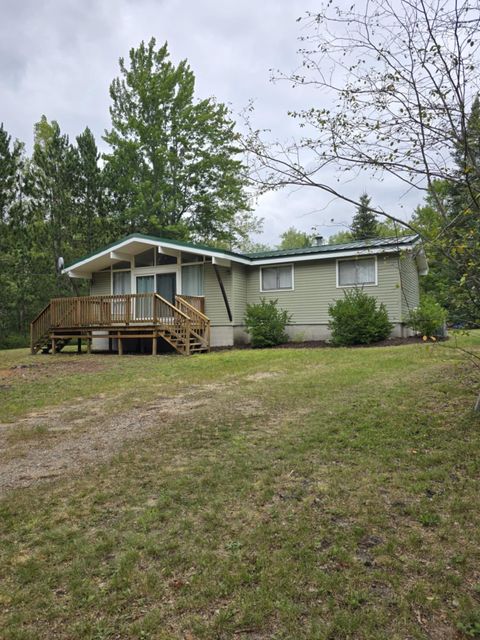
(58, 57)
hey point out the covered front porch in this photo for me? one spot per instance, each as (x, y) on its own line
(120, 318)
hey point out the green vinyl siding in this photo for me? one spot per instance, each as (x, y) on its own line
(101, 283)
(214, 304)
(410, 284)
(239, 293)
(315, 287)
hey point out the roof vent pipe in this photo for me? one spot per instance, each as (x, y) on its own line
(318, 241)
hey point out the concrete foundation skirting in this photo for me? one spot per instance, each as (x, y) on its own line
(229, 335)
(221, 336)
(301, 332)
(99, 342)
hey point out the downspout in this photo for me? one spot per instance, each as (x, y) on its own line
(224, 293)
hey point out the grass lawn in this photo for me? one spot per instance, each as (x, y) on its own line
(300, 494)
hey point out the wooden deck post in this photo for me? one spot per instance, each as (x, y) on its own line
(79, 345)
(154, 345)
(89, 344)
(53, 346)
(120, 346)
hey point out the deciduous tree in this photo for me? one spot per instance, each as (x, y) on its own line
(174, 165)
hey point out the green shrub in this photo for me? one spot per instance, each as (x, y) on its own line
(13, 341)
(358, 319)
(428, 318)
(266, 323)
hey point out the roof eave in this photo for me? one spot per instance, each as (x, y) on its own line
(80, 269)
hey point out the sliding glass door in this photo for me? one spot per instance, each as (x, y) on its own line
(121, 286)
(167, 286)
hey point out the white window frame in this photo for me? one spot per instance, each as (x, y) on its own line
(351, 286)
(276, 266)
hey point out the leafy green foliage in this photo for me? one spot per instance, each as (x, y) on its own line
(358, 319)
(340, 237)
(174, 164)
(428, 318)
(294, 239)
(266, 323)
(364, 223)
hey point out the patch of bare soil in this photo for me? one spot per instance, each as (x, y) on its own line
(48, 369)
(262, 375)
(58, 441)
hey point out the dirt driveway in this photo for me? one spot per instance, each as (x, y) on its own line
(50, 443)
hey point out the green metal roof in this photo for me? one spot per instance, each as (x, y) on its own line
(356, 245)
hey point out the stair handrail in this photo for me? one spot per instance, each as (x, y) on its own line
(202, 319)
(35, 333)
(172, 306)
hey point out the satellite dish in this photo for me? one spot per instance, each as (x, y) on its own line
(60, 263)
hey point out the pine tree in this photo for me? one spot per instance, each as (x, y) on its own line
(364, 223)
(51, 184)
(90, 201)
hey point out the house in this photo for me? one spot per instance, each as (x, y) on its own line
(150, 290)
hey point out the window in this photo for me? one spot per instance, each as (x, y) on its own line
(145, 284)
(146, 258)
(191, 257)
(162, 258)
(121, 265)
(274, 278)
(356, 272)
(192, 280)
(121, 282)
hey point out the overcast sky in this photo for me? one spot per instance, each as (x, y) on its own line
(58, 57)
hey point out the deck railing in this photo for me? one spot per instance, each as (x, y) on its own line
(198, 302)
(182, 323)
(98, 311)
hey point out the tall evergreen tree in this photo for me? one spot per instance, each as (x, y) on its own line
(90, 208)
(51, 184)
(364, 223)
(173, 167)
(10, 163)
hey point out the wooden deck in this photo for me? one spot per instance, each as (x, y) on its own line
(183, 325)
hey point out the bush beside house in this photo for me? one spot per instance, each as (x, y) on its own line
(428, 318)
(358, 319)
(266, 323)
